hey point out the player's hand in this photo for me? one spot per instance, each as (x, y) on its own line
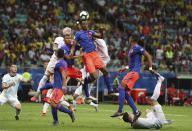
(122, 70)
(11, 84)
(152, 71)
(64, 89)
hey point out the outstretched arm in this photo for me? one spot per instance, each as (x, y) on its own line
(101, 34)
(146, 54)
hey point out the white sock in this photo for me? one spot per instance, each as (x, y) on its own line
(74, 104)
(65, 103)
(42, 82)
(93, 104)
(45, 107)
(156, 91)
(18, 112)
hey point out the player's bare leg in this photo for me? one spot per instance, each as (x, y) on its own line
(18, 111)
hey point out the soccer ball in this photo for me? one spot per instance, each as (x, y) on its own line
(84, 15)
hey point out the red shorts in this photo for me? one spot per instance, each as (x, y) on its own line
(92, 61)
(73, 72)
(56, 95)
(130, 79)
(44, 92)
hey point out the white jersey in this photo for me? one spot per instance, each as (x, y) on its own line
(11, 91)
(154, 120)
(102, 50)
(59, 41)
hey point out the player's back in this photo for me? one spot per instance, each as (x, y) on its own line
(60, 66)
(147, 123)
(67, 51)
(85, 39)
(102, 49)
(135, 55)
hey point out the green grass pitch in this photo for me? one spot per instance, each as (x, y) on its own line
(86, 119)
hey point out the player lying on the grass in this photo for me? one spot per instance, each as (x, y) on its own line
(79, 91)
(59, 88)
(155, 117)
(10, 84)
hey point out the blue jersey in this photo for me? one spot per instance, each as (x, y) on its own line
(85, 39)
(67, 51)
(135, 54)
(59, 67)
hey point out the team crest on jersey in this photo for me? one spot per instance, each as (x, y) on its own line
(131, 50)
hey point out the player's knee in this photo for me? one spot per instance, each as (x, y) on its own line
(53, 104)
(18, 106)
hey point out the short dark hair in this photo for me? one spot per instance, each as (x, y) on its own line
(135, 37)
(60, 53)
(126, 117)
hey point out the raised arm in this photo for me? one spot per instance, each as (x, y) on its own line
(73, 47)
(63, 74)
(146, 54)
(100, 34)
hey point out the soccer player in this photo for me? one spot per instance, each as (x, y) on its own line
(59, 88)
(72, 72)
(10, 84)
(79, 91)
(135, 54)
(58, 42)
(155, 117)
(91, 59)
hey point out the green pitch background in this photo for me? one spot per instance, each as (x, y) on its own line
(86, 119)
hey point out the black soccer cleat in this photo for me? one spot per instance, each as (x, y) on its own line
(72, 116)
(55, 123)
(116, 114)
(16, 117)
(136, 116)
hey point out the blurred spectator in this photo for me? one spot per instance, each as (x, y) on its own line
(159, 55)
(161, 98)
(182, 96)
(171, 93)
(115, 83)
(26, 87)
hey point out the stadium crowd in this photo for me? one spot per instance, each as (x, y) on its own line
(29, 28)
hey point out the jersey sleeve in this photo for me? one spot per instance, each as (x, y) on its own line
(141, 50)
(20, 77)
(5, 79)
(93, 32)
(77, 37)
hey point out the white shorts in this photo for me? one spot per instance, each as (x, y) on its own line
(49, 92)
(11, 100)
(50, 66)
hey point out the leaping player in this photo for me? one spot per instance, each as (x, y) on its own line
(91, 59)
(10, 84)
